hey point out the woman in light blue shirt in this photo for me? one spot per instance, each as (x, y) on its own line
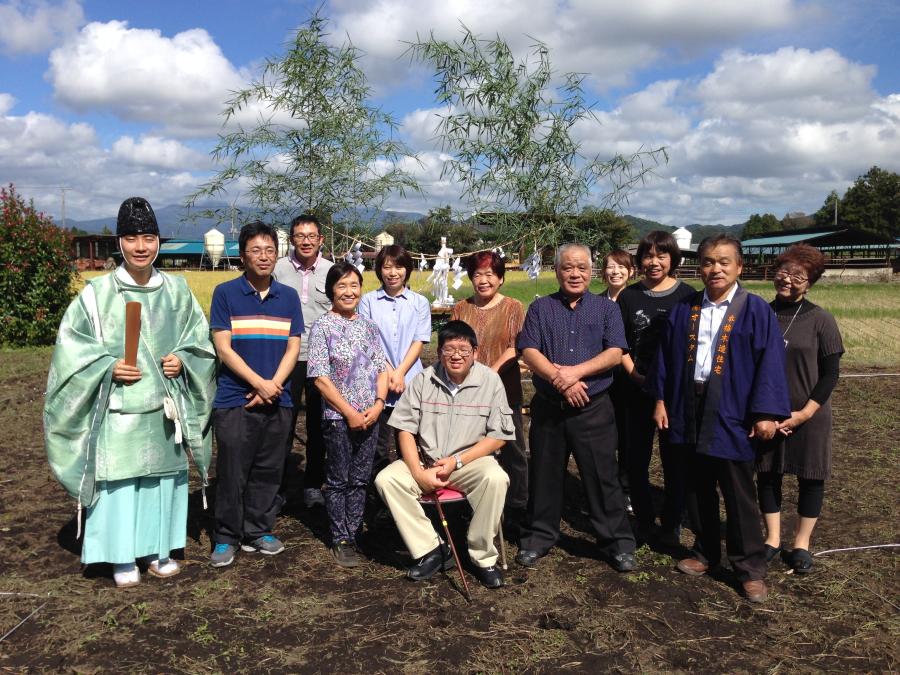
(403, 318)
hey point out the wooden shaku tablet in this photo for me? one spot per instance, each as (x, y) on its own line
(132, 331)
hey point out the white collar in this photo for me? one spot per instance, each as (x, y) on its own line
(122, 275)
(726, 301)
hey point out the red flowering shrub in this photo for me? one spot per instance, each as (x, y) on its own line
(36, 273)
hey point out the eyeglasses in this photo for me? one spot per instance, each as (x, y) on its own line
(451, 351)
(795, 278)
(305, 237)
(256, 252)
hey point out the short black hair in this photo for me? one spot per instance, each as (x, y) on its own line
(400, 257)
(455, 330)
(306, 218)
(718, 240)
(337, 272)
(663, 242)
(255, 229)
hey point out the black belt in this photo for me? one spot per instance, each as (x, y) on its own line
(560, 403)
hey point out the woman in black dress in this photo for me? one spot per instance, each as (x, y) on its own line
(803, 444)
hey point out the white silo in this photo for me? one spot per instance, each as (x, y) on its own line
(683, 238)
(214, 246)
(284, 244)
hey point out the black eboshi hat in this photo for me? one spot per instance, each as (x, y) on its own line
(136, 217)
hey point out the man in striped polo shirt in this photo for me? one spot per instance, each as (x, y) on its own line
(256, 324)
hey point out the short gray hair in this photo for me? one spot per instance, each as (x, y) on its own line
(568, 247)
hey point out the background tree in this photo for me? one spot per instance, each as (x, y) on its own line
(758, 225)
(602, 229)
(36, 273)
(318, 146)
(872, 203)
(508, 127)
(796, 220)
(825, 216)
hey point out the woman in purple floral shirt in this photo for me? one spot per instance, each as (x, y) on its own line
(350, 370)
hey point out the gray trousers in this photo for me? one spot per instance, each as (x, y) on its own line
(483, 482)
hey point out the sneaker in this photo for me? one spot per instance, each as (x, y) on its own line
(268, 544)
(126, 575)
(431, 562)
(313, 497)
(345, 554)
(490, 577)
(163, 568)
(222, 555)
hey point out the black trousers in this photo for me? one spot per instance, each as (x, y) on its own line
(387, 437)
(590, 434)
(314, 474)
(744, 540)
(249, 465)
(641, 429)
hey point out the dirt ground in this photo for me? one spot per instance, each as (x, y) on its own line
(299, 612)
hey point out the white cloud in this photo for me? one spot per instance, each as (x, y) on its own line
(611, 40)
(790, 82)
(180, 83)
(29, 27)
(157, 152)
(40, 153)
(7, 101)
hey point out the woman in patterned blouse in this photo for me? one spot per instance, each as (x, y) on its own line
(350, 370)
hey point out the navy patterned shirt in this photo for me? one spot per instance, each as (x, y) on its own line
(570, 336)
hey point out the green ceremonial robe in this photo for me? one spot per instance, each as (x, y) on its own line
(97, 430)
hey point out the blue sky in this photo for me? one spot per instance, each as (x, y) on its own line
(763, 106)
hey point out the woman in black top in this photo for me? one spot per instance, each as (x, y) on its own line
(645, 306)
(814, 348)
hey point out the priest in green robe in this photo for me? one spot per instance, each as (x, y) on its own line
(119, 437)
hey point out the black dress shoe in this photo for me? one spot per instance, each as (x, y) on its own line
(526, 557)
(490, 577)
(623, 562)
(430, 563)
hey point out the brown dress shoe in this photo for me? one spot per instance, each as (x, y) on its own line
(756, 590)
(692, 567)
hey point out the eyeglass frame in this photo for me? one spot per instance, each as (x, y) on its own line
(305, 237)
(449, 352)
(784, 274)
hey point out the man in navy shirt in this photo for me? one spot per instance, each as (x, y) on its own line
(256, 324)
(571, 340)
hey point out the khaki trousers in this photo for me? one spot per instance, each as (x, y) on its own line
(483, 482)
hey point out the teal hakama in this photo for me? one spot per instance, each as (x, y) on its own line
(113, 447)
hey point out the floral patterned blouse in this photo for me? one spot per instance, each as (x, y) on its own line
(349, 353)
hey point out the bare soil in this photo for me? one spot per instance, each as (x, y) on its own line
(299, 612)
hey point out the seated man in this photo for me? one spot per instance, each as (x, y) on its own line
(451, 419)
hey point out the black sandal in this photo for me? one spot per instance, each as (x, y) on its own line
(801, 561)
(772, 552)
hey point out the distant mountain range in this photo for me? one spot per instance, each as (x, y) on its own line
(175, 221)
(642, 226)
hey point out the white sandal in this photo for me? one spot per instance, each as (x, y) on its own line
(126, 575)
(162, 570)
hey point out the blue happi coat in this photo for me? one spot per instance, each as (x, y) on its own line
(753, 383)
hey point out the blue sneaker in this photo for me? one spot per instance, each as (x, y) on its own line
(222, 555)
(267, 544)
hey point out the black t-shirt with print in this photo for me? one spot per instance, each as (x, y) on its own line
(644, 313)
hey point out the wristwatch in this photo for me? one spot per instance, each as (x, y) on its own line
(459, 463)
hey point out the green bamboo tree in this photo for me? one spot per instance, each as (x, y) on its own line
(318, 145)
(508, 127)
